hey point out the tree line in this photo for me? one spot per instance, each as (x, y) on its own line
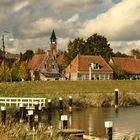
(16, 70)
(93, 45)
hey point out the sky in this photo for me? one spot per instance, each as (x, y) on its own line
(30, 23)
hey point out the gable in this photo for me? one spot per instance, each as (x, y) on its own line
(36, 61)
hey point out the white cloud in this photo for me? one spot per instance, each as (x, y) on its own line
(62, 43)
(62, 27)
(121, 22)
(125, 46)
(21, 5)
(73, 19)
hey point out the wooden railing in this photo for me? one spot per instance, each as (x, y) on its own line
(26, 101)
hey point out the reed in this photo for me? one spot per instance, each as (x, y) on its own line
(20, 132)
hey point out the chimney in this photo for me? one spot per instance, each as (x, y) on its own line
(135, 56)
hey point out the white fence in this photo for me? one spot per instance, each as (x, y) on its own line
(26, 101)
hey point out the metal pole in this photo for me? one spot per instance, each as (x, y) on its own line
(60, 104)
(64, 120)
(31, 119)
(49, 109)
(3, 45)
(3, 115)
(116, 99)
(108, 126)
(70, 104)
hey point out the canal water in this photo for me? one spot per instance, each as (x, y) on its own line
(125, 122)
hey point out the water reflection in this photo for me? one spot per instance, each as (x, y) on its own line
(92, 120)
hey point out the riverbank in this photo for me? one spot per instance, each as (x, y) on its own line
(85, 93)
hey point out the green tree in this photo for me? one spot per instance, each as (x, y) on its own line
(14, 72)
(94, 45)
(98, 45)
(74, 47)
(118, 72)
(7, 72)
(119, 54)
(135, 52)
(27, 55)
(23, 73)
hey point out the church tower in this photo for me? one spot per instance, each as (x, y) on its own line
(53, 45)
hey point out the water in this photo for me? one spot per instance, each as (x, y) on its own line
(126, 121)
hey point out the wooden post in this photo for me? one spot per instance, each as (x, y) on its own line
(21, 113)
(36, 105)
(70, 104)
(49, 105)
(39, 116)
(60, 104)
(49, 110)
(31, 119)
(116, 99)
(64, 120)
(36, 115)
(108, 126)
(3, 115)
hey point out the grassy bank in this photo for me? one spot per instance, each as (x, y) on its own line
(85, 93)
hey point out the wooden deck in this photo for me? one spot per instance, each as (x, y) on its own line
(87, 137)
(75, 132)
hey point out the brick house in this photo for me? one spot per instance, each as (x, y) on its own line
(86, 67)
(129, 67)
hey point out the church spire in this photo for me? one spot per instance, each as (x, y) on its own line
(53, 38)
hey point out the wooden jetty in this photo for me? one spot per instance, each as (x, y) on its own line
(87, 137)
(75, 132)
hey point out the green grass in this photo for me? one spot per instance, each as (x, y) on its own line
(82, 91)
(41, 88)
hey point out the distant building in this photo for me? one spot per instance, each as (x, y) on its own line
(44, 66)
(9, 58)
(53, 45)
(129, 67)
(87, 67)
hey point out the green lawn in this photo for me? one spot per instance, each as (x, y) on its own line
(41, 88)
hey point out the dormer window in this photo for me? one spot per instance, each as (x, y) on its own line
(95, 66)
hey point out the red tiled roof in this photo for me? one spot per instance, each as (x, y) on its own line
(82, 63)
(128, 65)
(86, 60)
(60, 59)
(36, 61)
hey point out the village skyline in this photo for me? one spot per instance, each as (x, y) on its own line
(31, 24)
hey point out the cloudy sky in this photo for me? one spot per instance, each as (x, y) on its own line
(30, 22)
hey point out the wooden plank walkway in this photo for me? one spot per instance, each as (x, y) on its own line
(87, 137)
(76, 132)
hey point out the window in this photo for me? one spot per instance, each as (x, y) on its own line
(53, 67)
(95, 66)
(45, 66)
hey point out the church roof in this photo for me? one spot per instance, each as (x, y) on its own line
(53, 35)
